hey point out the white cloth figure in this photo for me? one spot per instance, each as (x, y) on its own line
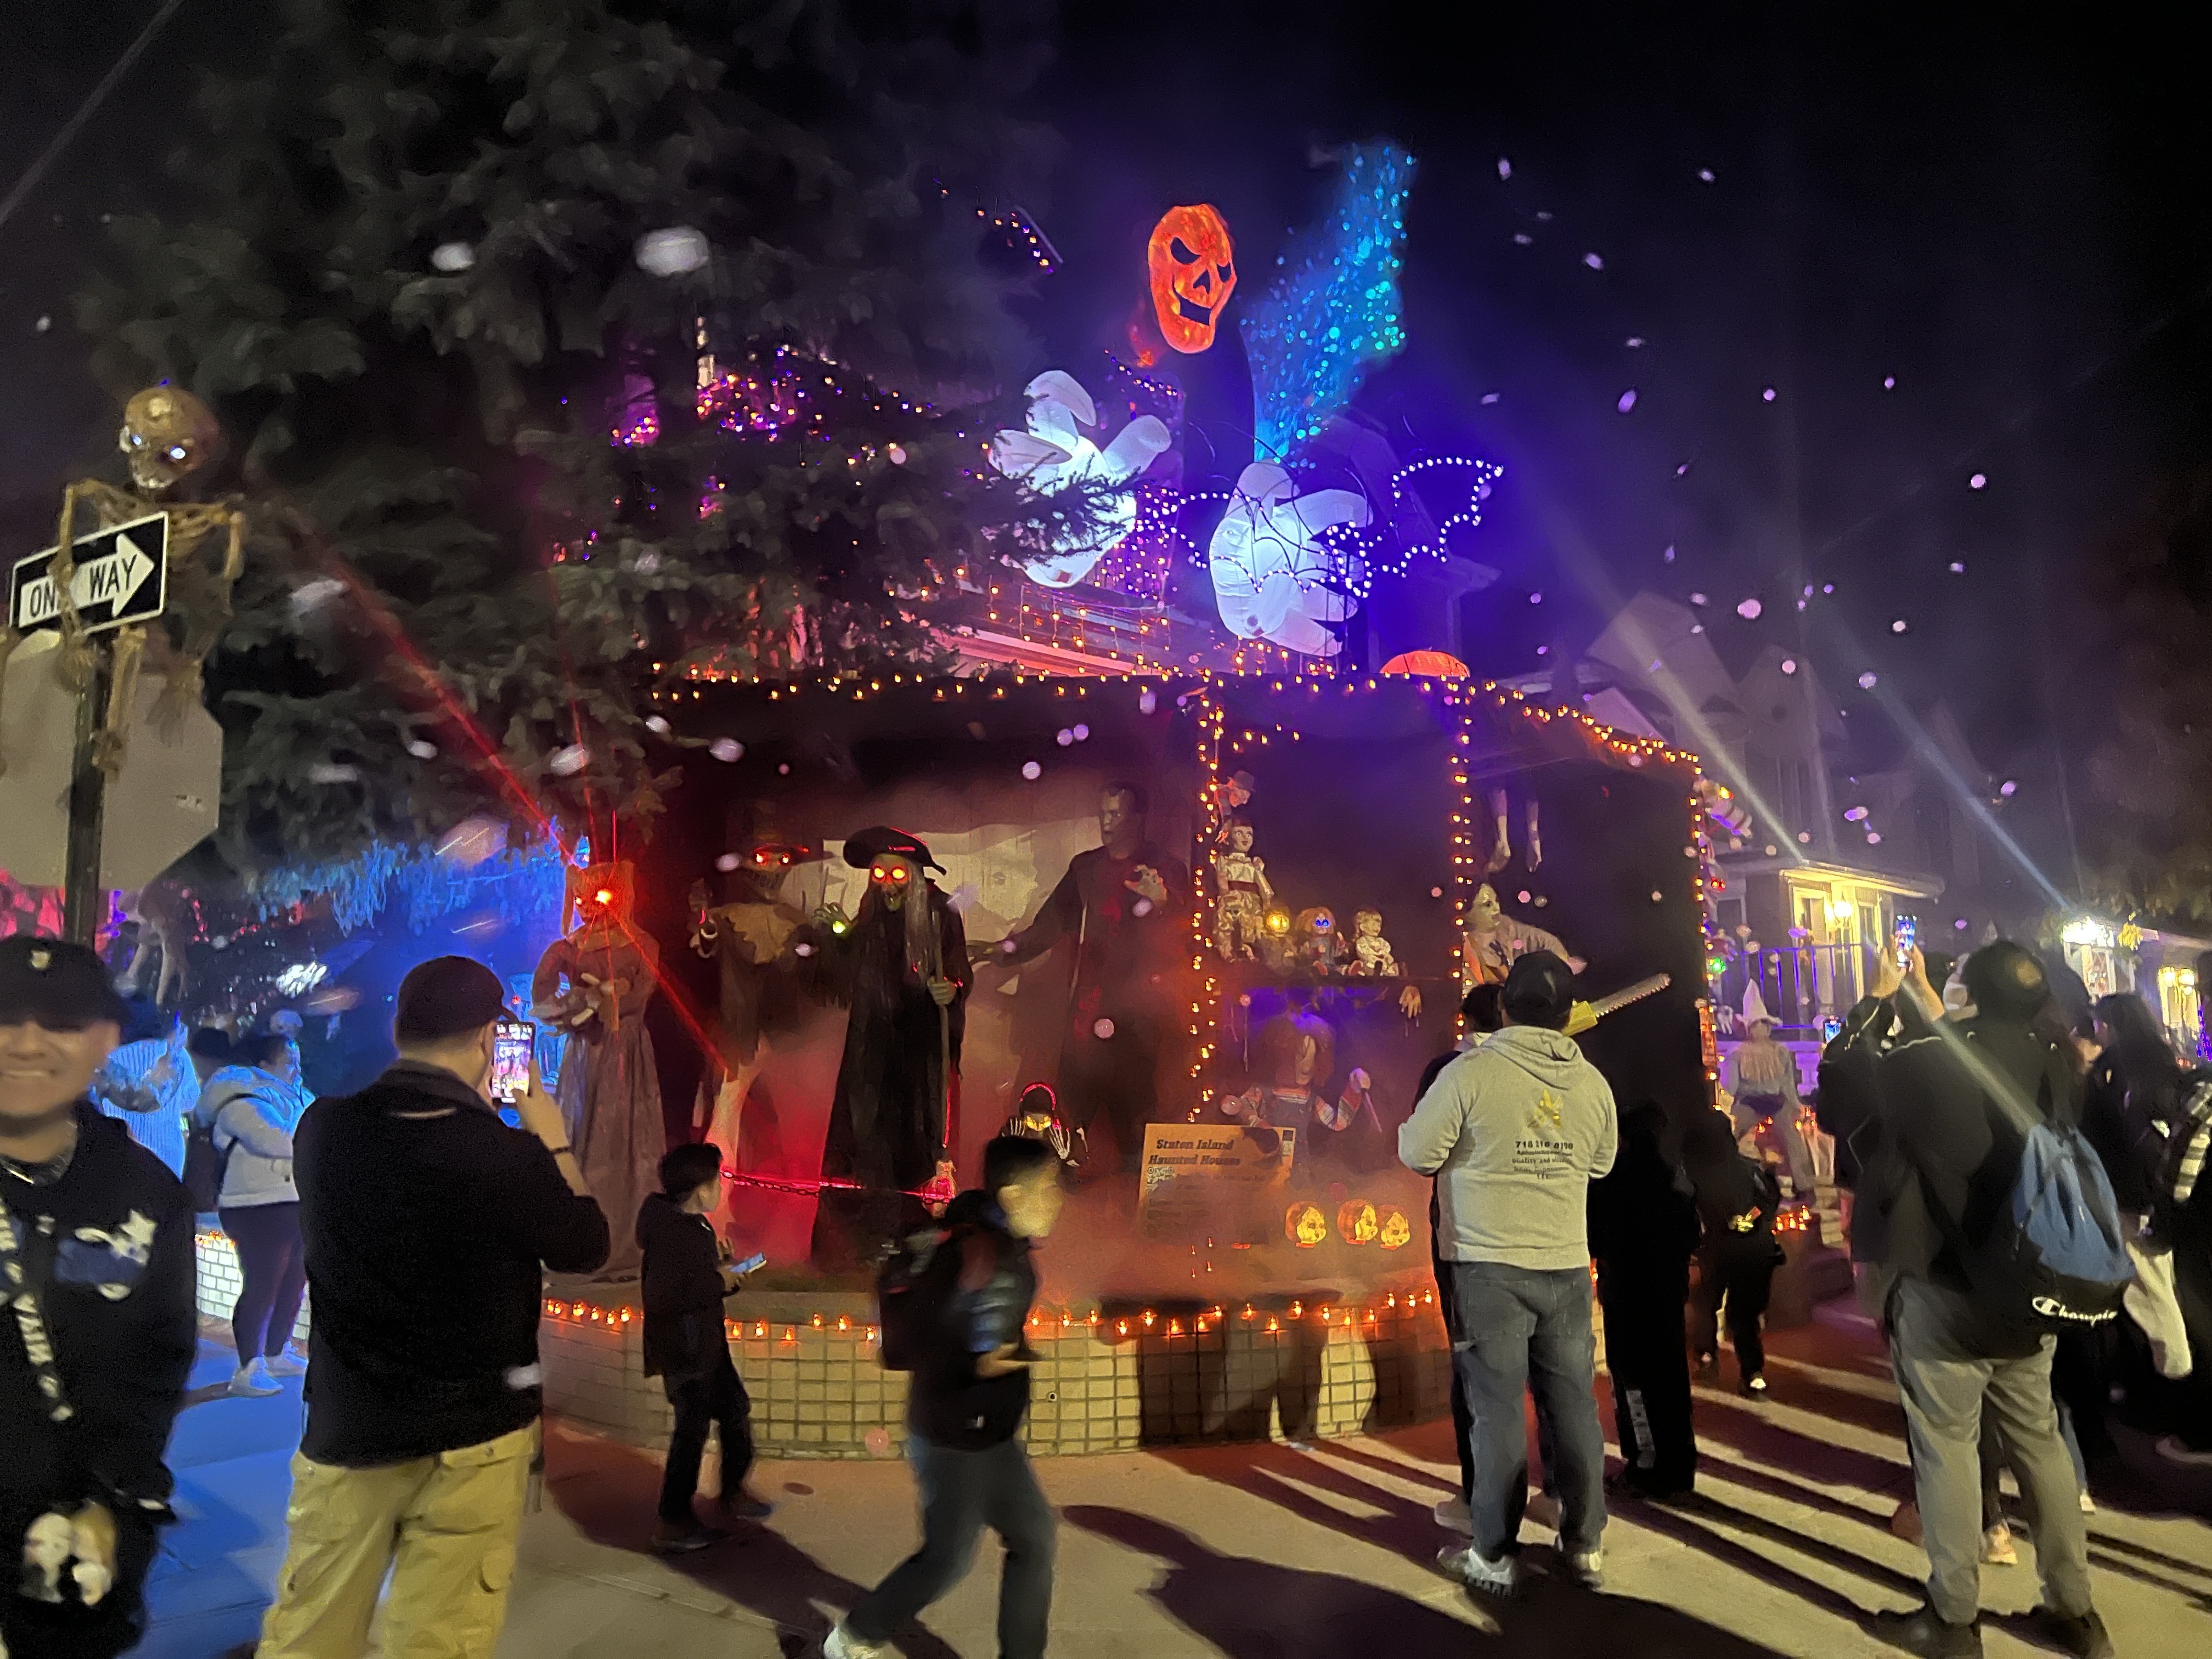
(1754, 1004)
(1272, 579)
(1055, 454)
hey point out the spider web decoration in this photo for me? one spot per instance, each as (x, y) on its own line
(1335, 312)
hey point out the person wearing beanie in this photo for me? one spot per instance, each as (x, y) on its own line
(1949, 1149)
(1515, 1131)
(428, 1226)
(96, 1260)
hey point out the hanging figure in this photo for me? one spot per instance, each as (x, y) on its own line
(892, 1123)
(594, 983)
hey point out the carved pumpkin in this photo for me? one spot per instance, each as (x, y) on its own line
(1305, 1226)
(1395, 1232)
(1356, 1222)
(1194, 271)
(1436, 664)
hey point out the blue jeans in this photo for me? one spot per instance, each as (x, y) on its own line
(962, 1494)
(1519, 1328)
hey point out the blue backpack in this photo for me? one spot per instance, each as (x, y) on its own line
(2053, 1257)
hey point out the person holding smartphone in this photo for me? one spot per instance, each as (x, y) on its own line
(428, 1225)
(688, 1277)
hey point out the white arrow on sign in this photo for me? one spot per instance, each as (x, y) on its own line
(112, 579)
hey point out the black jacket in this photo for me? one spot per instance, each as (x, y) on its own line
(108, 1253)
(2120, 1108)
(1737, 1200)
(683, 1291)
(1846, 1105)
(1643, 1218)
(947, 1404)
(426, 1240)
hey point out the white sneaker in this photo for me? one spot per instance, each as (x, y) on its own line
(253, 1382)
(1997, 1549)
(1587, 1568)
(289, 1362)
(841, 1644)
(1488, 1578)
(1453, 1516)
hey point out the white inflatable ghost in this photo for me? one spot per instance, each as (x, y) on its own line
(1055, 453)
(1272, 578)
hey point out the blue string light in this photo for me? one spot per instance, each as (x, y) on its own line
(1334, 313)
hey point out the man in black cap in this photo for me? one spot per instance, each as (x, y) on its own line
(1515, 1131)
(905, 962)
(428, 1223)
(98, 1332)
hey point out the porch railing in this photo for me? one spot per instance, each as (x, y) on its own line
(1802, 985)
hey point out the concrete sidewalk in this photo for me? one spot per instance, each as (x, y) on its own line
(1255, 1551)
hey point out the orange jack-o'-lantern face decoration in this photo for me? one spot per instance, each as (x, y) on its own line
(1193, 269)
(1395, 1232)
(1356, 1222)
(1305, 1225)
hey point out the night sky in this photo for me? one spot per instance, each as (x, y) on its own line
(2008, 217)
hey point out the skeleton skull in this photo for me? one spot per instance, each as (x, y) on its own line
(167, 435)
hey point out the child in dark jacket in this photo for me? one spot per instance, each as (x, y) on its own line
(687, 1277)
(1737, 1200)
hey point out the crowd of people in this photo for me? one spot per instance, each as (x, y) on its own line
(422, 1224)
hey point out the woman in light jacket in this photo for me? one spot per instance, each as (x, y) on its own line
(252, 1107)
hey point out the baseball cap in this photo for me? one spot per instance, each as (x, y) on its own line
(446, 996)
(56, 984)
(1540, 990)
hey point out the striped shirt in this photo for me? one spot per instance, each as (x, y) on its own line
(161, 1131)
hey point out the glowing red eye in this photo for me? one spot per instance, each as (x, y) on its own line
(604, 897)
(899, 874)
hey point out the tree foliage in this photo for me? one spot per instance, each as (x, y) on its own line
(2148, 836)
(413, 291)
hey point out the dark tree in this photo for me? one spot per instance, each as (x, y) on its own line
(566, 349)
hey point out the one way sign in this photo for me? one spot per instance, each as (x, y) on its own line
(122, 576)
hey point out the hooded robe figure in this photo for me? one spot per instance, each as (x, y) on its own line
(893, 1119)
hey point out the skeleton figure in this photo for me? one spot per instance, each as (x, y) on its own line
(1037, 1117)
(167, 435)
(1372, 958)
(1241, 895)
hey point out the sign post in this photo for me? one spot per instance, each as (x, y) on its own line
(122, 577)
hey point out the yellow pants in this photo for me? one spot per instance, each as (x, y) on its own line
(444, 1526)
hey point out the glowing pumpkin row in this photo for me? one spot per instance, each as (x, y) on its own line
(1356, 1223)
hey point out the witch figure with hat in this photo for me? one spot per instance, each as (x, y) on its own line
(905, 973)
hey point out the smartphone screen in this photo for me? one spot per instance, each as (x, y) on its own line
(512, 1044)
(1908, 935)
(752, 1263)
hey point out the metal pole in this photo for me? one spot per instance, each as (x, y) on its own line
(83, 895)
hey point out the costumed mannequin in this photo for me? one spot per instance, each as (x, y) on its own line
(1241, 894)
(748, 938)
(1495, 941)
(1371, 955)
(891, 1124)
(1295, 1056)
(1037, 1117)
(594, 984)
(1119, 903)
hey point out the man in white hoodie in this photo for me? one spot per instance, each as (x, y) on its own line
(1515, 1131)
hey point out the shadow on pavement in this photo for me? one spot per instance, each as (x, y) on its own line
(610, 1491)
(1254, 1609)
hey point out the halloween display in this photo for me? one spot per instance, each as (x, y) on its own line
(1241, 895)
(1501, 850)
(1060, 450)
(749, 939)
(901, 964)
(1357, 1222)
(1294, 1058)
(168, 436)
(1393, 1231)
(1118, 905)
(1494, 941)
(161, 912)
(1305, 1226)
(1320, 947)
(1037, 1117)
(1192, 260)
(1371, 956)
(593, 984)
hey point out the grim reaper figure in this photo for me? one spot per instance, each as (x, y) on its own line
(905, 962)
